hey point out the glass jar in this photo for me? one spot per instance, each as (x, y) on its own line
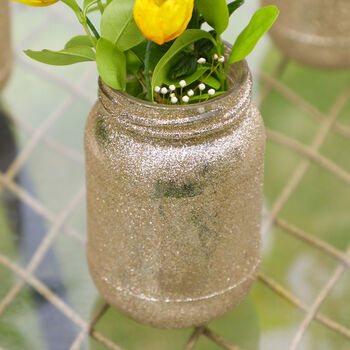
(5, 48)
(314, 32)
(174, 201)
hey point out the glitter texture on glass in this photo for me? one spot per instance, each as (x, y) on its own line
(174, 196)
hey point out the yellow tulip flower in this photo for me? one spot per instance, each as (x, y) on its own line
(162, 20)
(38, 3)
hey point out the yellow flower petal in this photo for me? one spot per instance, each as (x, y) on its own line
(37, 3)
(162, 20)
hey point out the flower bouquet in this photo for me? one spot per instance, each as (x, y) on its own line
(155, 49)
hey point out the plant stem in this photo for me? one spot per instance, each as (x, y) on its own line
(86, 23)
(92, 27)
(208, 76)
(222, 72)
(142, 79)
(147, 72)
(222, 76)
(83, 20)
(220, 47)
(88, 33)
(100, 6)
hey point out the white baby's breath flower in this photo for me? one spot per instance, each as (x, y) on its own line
(215, 56)
(211, 92)
(157, 89)
(172, 87)
(183, 83)
(221, 59)
(174, 100)
(201, 86)
(186, 99)
(201, 60)
(164, 90)
(190, 92)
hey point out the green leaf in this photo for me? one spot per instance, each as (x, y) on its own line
(157, 52)
(187, 38)
(64, 57)
(92, 9)
(111, 64)
(205, 96)
(80, 40)
(133, 63)
(118, 25)
(212, 82)
(216, 14)
(189, 79)
(72, 4)
(198, 75)
(88, 3)
(195, 20)
(142, 95)
(258, 26)
(234, 5)
(203, 47)
(186, 64)
(134, 87)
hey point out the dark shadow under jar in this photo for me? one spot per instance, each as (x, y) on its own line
(314, 32)
(174, 199)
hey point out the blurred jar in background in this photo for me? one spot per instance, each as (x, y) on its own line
(314, 32)
(5, 47)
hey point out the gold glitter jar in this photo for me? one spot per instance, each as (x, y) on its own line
(314, 32)
(5, 49)
(174, 199)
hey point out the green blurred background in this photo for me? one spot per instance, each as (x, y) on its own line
(320, 205)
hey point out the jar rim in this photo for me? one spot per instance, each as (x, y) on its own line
(181, 121)
(241, 65)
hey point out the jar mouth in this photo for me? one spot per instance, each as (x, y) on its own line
(242, 66)
(180, 121)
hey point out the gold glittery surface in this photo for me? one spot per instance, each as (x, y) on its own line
(315, 32)
(5, 51)
(174, 203)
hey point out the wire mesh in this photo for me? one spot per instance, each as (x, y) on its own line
(311, 154)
